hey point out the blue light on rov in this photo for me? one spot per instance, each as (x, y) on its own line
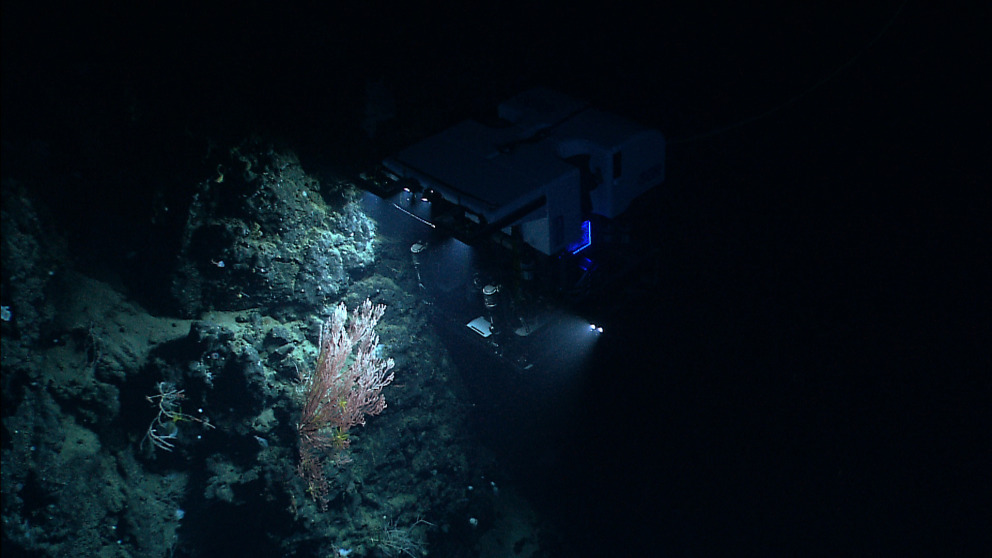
(585, 241)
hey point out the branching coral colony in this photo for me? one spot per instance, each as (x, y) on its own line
(164, 428)
(344, 388)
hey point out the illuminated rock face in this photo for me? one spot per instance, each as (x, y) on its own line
(260, 234)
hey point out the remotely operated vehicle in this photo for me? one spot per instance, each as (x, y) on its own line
(514, 216)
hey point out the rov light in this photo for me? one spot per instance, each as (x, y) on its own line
(429, 195)
(586, 239)
(413, 188)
